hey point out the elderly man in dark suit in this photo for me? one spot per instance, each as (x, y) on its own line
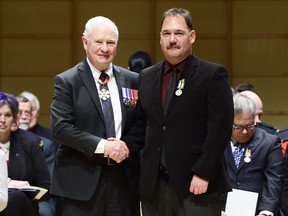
(253, 158)
(93, 107)
(187, 128)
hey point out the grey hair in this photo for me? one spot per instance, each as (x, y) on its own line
(98, 20)
(31, 97)
(244, 104)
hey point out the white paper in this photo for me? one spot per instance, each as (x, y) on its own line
(240, 202)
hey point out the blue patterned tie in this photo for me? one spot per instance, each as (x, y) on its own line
(107, 105)
(237, 154)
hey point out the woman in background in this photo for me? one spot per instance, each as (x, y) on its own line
(25, 161)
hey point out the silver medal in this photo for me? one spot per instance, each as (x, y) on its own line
(247, 159)
(104, 94)
(178, 92)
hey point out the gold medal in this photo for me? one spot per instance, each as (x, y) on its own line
(104, 94)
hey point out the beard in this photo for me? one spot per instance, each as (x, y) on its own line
(23, 124)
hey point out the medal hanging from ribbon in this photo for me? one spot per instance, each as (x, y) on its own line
(130, 97)
(180, 87)
(104, 93)
(247, 157)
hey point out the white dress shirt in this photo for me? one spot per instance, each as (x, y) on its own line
(115, 100)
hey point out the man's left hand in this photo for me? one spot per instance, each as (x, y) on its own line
(198, 185)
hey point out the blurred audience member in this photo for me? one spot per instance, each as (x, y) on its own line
(34, 125)
(284, 195)
(245, 87)
(138, 61)
(25, 161)
(48, 207)
(259, 111)
(253, 159)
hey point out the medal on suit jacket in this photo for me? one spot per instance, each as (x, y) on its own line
(247, 157)
(104, 94)
(180, 87)
(130, 97)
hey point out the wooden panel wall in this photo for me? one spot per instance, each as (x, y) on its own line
(259, 54)
(40, 38)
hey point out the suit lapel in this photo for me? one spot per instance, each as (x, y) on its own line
(120, 80)
(88, 81)
(230, 158)
(156, 87)
(16, 168)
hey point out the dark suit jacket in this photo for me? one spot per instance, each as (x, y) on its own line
(77, 122)
(195, 130)
(26, 161)
(268, 128)
(263, 174)
(45, 132)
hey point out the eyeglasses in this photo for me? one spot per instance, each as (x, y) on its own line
(25, 112)
(240, 128)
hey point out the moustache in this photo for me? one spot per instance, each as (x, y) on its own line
(23, 121)
(23, 124)
(173, 46)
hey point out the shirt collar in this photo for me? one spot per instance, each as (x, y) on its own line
(180, 65)
(97, 72)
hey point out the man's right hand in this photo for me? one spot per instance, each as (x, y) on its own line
(116, 149)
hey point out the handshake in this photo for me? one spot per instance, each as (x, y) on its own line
(116, 150)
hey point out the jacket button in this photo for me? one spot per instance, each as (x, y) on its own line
(164, 128)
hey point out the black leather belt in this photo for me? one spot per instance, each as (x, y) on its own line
(102, 160)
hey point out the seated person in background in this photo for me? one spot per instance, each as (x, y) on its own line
(245, 87)
(35, 126)
(259, 112)
(138, 61)
(283, 134)
(25, 160)
(47, 207)
(3, 175)
(24, 121)
(284, 195)
(253, 160)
